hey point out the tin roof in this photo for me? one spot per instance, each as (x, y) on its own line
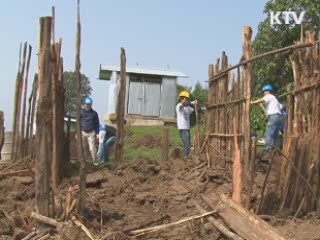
(139, 70)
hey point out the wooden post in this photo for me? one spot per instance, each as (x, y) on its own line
(17, 112)
(16, 99)
(31, 99)
(82, 173)
(1, 131)
(247, 32)
(33, 110)
(165, 144)
(44, 128)
(120, 108)
(237, 172)
(251, 172)
(24, 103)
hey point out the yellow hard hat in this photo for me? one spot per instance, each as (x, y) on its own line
(184, 94)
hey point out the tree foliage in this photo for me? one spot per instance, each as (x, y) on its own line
(277, 70)
(69, 79)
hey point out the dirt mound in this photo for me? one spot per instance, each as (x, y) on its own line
(138, 194)
(147, 141)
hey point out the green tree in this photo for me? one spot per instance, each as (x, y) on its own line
(277, 70)
(69, 79)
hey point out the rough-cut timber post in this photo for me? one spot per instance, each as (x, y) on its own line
(120, 108)
(237, 172)
(17, 132)
(44, 125)
(247, 51)
(31, 97)
(16, 98)
(82, 173)
(33, 110)
(1, 131)
(251, 172)
(24, 106)
(165, 144)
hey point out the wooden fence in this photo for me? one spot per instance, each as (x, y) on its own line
(299, 185)
(229, 97)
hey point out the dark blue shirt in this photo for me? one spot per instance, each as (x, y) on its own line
(89, 120)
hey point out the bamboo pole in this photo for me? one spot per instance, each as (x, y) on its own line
(82, 173)
(121, 108)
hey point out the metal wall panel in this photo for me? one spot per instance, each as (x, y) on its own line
(135, 98)
(152, 99)
(169, 97)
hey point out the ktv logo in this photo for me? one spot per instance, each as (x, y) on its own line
(287, 16)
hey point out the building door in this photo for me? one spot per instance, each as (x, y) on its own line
(135, 98)
(152, 93)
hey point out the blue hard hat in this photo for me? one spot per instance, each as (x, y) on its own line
(267, 88)
(102, 127)
(88, 101)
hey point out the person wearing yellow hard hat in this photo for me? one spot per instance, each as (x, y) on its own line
(183, 109)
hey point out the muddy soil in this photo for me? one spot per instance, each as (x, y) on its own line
(142, 194)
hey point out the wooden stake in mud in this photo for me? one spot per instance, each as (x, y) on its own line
(44, 125)
(198, 130)
(237, 172)
(120, 109)
(165, 144)
(83, 174)
(247, 51)
(24, 105)
(33, 109)
(251, 172)
(17, 111)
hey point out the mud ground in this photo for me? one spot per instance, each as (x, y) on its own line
(141, 194)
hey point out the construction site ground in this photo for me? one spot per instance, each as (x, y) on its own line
(143, 193)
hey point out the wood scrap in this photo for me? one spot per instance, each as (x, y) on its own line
(43, 219)
(29, 236)
(218, 225)
(82, 227)
(141, 232)
(18, 172)
(244, 223)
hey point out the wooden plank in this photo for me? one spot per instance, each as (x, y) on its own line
(220, 226)
(121, 108)
(241, 221)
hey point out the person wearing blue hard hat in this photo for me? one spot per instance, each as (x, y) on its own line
(275, 119)
(89, 122)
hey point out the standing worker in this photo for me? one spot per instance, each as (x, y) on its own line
(90, 127)
(1, 131)
(273, 110)
(183, 109)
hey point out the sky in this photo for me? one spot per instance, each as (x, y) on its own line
(185, 35)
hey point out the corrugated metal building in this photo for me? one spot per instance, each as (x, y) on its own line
(151, 94)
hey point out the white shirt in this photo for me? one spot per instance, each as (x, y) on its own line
(102, 133)
(272, 105)
(183, 116)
